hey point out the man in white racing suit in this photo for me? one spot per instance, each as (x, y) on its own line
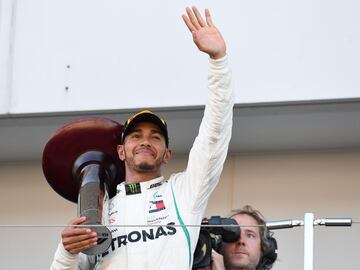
(154, 211)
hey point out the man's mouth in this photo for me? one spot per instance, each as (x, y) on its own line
(240, 252)
(144, 151)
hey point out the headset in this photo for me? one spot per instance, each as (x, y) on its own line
(270, 253)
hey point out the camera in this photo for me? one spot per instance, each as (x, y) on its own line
(212, 234)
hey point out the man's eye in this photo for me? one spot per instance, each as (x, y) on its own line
(135, 136)
(250, 235)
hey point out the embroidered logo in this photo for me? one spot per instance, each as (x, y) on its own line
(156, 206)
(155, 185)
(132, 189)
(156, 196)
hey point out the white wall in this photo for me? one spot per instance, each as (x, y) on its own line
(6, 37)
(281, 185)
(131, 54)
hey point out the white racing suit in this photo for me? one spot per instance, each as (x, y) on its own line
(180, 200)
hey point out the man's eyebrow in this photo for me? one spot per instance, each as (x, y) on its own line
(249, 229)
(156, 131)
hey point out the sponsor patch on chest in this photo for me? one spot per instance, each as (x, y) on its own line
(156, 212)
(156, 202)
(156, 206)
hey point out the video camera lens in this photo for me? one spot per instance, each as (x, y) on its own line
(230, 234)
(211, 237)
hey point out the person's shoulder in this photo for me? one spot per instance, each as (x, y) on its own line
(173, 179)
(175, 176)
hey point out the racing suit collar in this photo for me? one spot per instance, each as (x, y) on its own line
(140, 187)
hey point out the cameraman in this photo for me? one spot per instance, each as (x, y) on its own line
(247, 253)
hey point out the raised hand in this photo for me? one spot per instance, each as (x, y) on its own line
(205, 35)
(76, 239)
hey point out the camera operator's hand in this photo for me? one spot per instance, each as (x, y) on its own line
(217, 261)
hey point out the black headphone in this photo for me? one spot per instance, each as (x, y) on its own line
(269, 255)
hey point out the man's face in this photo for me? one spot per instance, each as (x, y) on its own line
(144, 148)
(245, 253)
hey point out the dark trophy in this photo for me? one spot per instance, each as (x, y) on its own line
(80, 163)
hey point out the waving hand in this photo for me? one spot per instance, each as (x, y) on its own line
(205, 35)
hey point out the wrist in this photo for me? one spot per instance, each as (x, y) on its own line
(218, 55)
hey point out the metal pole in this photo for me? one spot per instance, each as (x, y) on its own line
(343, 222)
(283, 224)
(308, 241)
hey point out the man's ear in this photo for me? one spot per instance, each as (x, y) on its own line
(167, 156)
(121, 152)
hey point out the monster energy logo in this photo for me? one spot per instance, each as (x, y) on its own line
(132, 189)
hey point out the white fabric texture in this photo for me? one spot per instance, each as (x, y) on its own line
(181, 199)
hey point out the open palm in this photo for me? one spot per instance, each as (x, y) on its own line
(206, 36)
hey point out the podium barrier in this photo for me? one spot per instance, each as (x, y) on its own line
(309, 224)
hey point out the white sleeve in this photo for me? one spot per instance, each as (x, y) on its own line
(64, 260)
(208, 154)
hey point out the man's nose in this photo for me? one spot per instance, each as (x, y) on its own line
(241, 241)
(145, 142)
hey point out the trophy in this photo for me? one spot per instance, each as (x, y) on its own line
(80, 162)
